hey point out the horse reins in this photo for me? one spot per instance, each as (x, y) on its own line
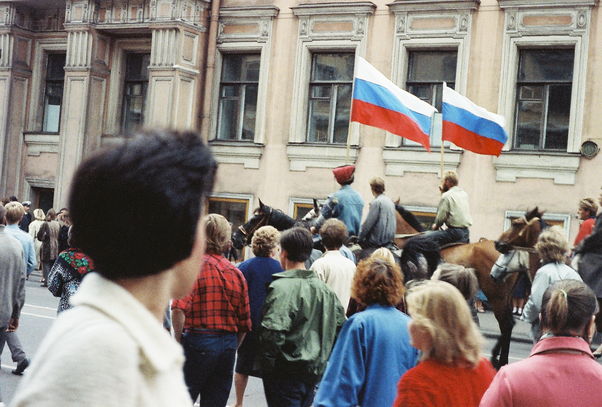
(263, 222)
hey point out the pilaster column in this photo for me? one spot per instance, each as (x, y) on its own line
(86, 75)
(175, 67)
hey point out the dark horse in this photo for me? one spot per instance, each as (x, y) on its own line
(407, 225)
(481, 257)
(263, 216)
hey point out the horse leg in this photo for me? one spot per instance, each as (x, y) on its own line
(501, 350)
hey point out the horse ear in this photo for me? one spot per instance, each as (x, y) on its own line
(397, 200)
(261, 205)
(316, 206)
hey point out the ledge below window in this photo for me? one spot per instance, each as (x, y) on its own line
(41, 143)
(302, 156)
(561, 168)
(247, 154)
(398, 161)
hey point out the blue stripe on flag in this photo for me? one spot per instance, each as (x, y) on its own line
(479, 125)
(380, 96)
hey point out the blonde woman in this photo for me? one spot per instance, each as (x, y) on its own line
(452, 371)
(34, 228)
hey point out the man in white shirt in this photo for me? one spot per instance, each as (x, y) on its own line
(333, 268)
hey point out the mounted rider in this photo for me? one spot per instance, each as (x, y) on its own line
(453, 212)
(378, 229)
(346, 204)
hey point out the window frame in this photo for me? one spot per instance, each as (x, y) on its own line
(545, 98)
(47, 82)
(241, 99)
(237, 198)
(332, 99)
(145, 84)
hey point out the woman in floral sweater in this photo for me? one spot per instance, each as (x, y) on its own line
(67, 273)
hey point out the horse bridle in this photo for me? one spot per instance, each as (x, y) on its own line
(521, 233)
(263, 222)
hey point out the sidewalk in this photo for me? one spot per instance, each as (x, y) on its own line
(491, 329)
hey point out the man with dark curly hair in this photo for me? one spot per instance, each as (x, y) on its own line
(373, 350)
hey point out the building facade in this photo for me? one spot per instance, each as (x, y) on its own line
(268, 84)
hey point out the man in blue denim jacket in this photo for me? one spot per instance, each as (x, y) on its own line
(346, 204)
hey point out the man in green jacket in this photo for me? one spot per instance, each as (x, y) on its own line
(300, 321)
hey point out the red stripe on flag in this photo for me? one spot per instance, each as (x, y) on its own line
(469, 140)
(394, 122)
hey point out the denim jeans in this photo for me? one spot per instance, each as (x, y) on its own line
(209, 366)
(283, 391)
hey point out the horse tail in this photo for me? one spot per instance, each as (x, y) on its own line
(419, 258)
(409, 218)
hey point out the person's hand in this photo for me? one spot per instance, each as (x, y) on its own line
(434, 226)
(13, 325)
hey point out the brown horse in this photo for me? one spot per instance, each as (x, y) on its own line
(482, 256)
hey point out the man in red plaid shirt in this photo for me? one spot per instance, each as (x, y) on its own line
(213, 319)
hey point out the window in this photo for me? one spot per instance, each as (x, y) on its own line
(543, 99)
(53, 94)
(238, 97)
(134, 89)
(233, 209)
(425, 215)
(427, 70)
(330, 97)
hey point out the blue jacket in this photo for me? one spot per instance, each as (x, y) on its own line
(346, 205)
(26, 241)
(371, 354)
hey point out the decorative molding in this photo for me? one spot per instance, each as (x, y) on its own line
(41, 143)
(505, 4)
(41, 182)
(399, 161)
(79, 50)
(119, 15)
(434, 5)
(7, 43)
(164, 48)
(247, 154)
(236, 24)
(560, 168)
(339, 21)
(302, 156)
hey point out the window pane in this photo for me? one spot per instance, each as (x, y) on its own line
(319, 116)
(136, 67)
(559, 107)
(435, 66)
(343, 108)
(230, 90)
(228, 123)
(321, 91)
(55, 69)
(240, 68)
(333, 67)
(546, 65)
(528, 126)
(250, 112)
(423, 92)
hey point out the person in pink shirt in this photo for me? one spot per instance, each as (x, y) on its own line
(561, 370)
(587, 213)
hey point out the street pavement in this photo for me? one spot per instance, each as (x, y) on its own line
(40, 311)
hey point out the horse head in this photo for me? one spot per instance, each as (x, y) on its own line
(262, 216)
(243, 235)
(523, 232)
(314, 212)
(512, 262)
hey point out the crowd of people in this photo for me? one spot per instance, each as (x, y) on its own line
(315, 327)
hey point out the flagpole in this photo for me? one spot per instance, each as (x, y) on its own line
(350, 111)
(442, 150)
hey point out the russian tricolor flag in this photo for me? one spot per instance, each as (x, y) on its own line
(378, 102)
(470, 126)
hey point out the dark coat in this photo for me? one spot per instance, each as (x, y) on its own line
(590, 263)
